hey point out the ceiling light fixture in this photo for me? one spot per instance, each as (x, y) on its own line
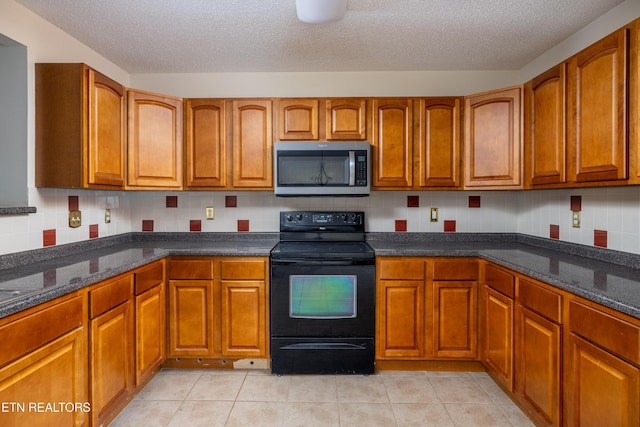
(320, 11)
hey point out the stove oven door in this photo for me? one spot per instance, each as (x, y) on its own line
(322, 317)
(322, 299)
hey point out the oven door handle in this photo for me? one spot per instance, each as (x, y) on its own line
(324, 346)
(306, 262)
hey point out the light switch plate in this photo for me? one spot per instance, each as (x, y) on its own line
(433, 215)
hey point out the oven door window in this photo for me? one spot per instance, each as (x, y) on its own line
(323, 296)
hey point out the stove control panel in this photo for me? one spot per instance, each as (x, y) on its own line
(305, 218)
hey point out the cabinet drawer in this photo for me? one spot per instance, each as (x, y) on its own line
(405, 269)
(189, 269)
(243, 269)
(149, 277)
(540, 300)
(109, 295)
(30, 332)
(455, 270)
(499, 280)
(614, 334)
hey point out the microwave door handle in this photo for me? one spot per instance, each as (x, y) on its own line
(352, 168)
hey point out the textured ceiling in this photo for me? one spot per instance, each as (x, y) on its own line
(209, 36)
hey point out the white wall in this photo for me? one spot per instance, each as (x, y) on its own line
(616, 211)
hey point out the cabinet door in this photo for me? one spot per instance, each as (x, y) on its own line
(598, 109)
(155, 141)
(392, 143)
(106, 131)
(455, 319)
(538, 363)
(439, 156)
(252, 144)
(346, 119)
(400, 319)
(244, 332)
(54, 373)
(112, 362)
(603, 389)
(493, 139)
(498, 337)
(191, 318)
(80, 128)
(150, 332)
(545, 137)
(298, 119)
(205, 143)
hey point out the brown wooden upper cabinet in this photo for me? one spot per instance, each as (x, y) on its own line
(545, 124)
(155, 141)
(439, 143)
(80, 128)
(346, 119)
(392, 143)
(252, 143)
(493, 139)
(205, 143)
(298, 119)
(597, 108)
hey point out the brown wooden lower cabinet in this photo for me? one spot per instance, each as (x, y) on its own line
(112, 348)
(150, 332)
(400, 308)
(498, 337)
(538, 361)
(191, 318)
(44, 361)
(218, 307)
(603, 391)
(602, 367)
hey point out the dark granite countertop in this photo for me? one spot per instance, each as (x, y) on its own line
(607, 277)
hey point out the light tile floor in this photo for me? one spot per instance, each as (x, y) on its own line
(256, 398)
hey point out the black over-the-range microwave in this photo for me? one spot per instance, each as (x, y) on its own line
(322, 168)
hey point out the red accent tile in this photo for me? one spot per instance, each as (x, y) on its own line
(600, 238)
(449, 225)
(195, 225)
(172, 201)
(576, 203)
(74, 204)
(230, 201)
(401, 225)
(554, 231)
(474, 201)
(48, 237)
(243, 225)
(147, 225)
(413, 201)
(93, 231)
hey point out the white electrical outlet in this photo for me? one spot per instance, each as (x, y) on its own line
(209, 212)
(107, 216)
(575, 219)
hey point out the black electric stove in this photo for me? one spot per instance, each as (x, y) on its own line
(322, 295)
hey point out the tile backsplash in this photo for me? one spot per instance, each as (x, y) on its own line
(610, 212)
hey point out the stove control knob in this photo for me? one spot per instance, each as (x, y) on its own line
(288, 218)
(299, 217)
